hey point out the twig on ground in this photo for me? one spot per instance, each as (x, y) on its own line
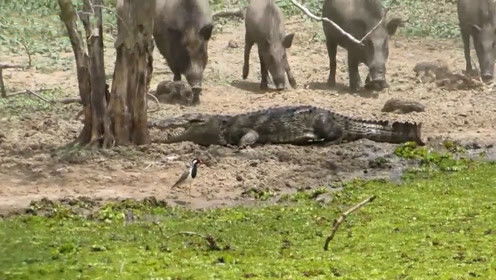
(3, 91)
(232, 13)
(335, 25)
(156, 101)
(70, 100)
(33, 92)
(16, 94)
(39, 96)
(342, 218)
(11, 66)
(212, 244)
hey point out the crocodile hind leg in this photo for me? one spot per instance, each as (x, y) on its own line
(248, 139)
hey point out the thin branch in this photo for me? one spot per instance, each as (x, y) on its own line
(61, 101)
(112, 10)
(39, 96)
(335, 25)
(342, 218)
(156, 101)
(11, 66)
(376, 26)
(232, 13)
(16, 94)
(28, 52)
(70, 100)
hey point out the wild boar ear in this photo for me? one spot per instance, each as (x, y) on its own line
(476, 29)
(206, 31)
(393, 25)
(288, 40)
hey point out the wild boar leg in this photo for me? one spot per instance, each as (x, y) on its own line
(177, 77)
(355, 81)
(291, 78)
(263, 71)
(466, 49)
(246, 65)
(332, 50)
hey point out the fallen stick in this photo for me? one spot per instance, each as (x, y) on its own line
(15, 94)
(335, 25)
(233, 13)
(39, 96)
(342, 218)
(70, 100)
(3, 91)
(156, 101)
(11, 66)
(61, 101)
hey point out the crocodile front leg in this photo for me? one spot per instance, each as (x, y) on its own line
(251, 137)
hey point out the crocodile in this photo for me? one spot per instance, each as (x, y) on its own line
(296, 125)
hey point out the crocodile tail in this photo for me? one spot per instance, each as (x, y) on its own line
(384, 131)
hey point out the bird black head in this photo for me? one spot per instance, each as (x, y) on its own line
(194, 167)
(196, 161)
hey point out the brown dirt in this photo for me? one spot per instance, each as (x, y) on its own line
(34, 163)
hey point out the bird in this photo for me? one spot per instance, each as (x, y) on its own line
(189, 174)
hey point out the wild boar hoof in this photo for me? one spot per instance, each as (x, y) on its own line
(376, 85)
(293, 83)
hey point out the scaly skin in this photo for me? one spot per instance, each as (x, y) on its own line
(297, 125)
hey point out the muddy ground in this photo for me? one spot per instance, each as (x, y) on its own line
(34, 162)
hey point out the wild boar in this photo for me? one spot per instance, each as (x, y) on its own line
(182, 31)
(478, 20)
(358, 17)
(265, 27)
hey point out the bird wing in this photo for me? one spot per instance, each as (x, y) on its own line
(181, 179)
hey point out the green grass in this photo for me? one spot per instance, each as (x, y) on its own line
(21, 104)
(443, 227)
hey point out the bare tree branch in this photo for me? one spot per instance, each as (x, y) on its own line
(342, 218)
(156, 101)
(3, 91)
(335, 25)
(232, 13)
(11, 66)
(376, 26)
(28, 52)
(39, 96)
(70, 100)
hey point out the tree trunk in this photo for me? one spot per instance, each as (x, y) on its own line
(100, 125)
(119, 117)
(3, 92)
(133, 69)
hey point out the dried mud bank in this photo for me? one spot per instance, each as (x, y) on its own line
(34, 163)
